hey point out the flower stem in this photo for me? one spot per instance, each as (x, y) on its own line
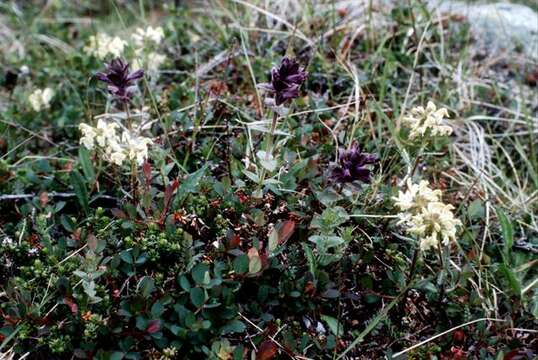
(271, 136)
(269, 139)
(413, 267)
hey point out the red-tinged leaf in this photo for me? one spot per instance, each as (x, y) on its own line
(267, 350)
(153, 326)
(119, 214)
(169, 191)
(91, 240)
(310, 288)
(234, 242)
(285, 231)
(72, 305)
(44, 198)
(146, 169)
(254, 261)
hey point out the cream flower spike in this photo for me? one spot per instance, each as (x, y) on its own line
(151, 34)
(416, 196)
(424, 215)
(420, 120)
(40, 99)
(114, 148)
(434, 224)
(101, 45)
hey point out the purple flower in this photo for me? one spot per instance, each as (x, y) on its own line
(120, 81)
(352, 165)
(286, 80)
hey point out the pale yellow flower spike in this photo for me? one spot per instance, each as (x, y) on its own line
(420, 121)
(426, 216)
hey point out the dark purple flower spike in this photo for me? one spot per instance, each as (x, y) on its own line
(120, 81)
(352, 165)
(286, 80)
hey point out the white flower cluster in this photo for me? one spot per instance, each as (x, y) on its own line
(420, 120)
(40, 98)
(142, 37)
(425, 215)
(116, 149)
(146, 42)
(101, 45)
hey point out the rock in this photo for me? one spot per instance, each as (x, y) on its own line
(498, 27)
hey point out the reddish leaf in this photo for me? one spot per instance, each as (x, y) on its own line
(310, 288)
(44, 198)
(146, 169)
(169, 191)
(72, 305)
(119, 214)
(153, 326)
(92, 242)
(285, 231)
(266, 351)
(234, 242)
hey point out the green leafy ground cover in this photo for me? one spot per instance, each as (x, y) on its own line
(207, 248)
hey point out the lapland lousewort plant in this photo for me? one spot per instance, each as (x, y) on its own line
(40, 99)
(286, 80)
(119, 79)
(352, 165)
(420, 120)
(102, 45)
(425, 215)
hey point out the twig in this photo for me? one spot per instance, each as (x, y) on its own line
(442, 334)
(15, 197)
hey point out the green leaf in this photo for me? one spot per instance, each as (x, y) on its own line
(512, 279)
(184, 283)
(200, 274)
(254, 261)
(476, 210)
(234, 326)
(273, 240)
(146, 286)
(190, 184)
(86, 164)
(507, 231)
(334, 325)
(116, 355)
(126, 255)
(77, 181)
(197, 296)
(267, 160)
(240, 264)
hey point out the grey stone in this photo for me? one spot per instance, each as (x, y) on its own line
(497, 27)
